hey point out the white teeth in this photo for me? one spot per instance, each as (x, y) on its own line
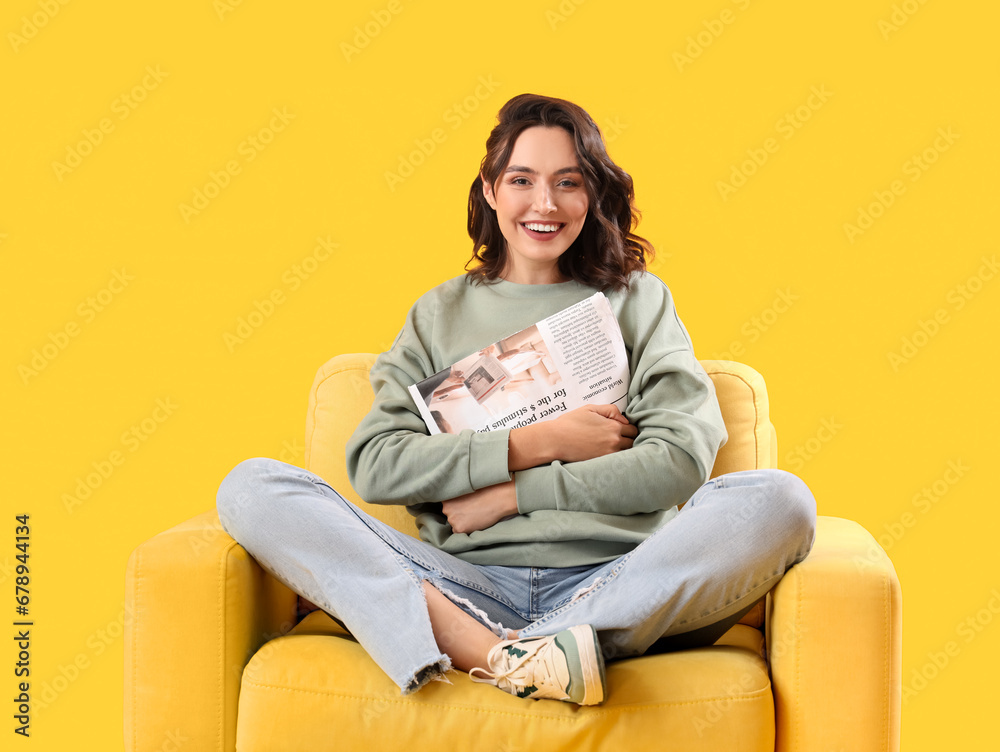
(540, 227)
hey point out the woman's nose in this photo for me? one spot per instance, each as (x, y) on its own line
(543, 199)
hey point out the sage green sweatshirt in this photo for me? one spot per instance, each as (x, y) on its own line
(570, 514)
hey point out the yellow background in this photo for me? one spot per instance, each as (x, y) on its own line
(686, 94)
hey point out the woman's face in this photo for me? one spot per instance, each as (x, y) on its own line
(541, 203)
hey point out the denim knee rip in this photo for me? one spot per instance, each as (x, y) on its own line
(470, 608)
(432, 671)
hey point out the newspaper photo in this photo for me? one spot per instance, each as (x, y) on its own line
(570, 359)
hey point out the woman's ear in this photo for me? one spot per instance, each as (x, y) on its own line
(488, 192)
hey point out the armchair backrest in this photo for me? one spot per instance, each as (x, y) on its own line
(341, 395)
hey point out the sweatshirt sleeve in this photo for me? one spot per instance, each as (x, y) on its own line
(671, 400)
(391, 458)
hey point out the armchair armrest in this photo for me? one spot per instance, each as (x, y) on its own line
(834, 641)
(197, 608)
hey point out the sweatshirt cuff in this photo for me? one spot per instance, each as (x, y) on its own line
(488, 458)
(534, 489)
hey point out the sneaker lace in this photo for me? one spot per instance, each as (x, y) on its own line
(530, 665)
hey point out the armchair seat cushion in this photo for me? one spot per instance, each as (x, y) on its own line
(316, 688)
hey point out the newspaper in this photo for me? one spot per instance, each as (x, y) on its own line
(572, 358)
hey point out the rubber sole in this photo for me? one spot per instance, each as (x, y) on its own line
(591, 664)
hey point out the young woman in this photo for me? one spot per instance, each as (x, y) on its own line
(548, 548)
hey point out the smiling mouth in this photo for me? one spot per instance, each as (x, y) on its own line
(542, 226)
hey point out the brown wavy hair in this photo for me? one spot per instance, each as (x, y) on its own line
(606, 252)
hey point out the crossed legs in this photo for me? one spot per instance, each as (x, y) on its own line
(726, 548)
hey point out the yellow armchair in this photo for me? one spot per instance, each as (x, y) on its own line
(213, 651)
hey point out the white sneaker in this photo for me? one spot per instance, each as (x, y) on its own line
(565, 666)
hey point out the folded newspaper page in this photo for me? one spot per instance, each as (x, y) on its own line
(572, 358)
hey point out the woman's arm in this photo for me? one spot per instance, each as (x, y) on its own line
(675, 412)
(391, 459)
(671, 457)
(673, 405)
(587, 432)
(582, 434)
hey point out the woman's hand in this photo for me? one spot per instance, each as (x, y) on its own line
(582, 434)
(481, 509)
(592, 431)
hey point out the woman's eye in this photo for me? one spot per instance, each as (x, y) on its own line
(568, 183)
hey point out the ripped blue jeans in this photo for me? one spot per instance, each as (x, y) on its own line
(684, 586)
